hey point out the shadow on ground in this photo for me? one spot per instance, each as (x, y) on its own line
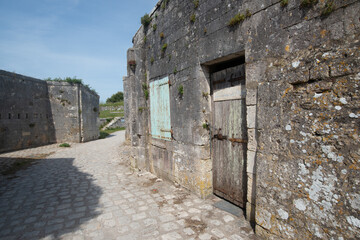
(46, 198)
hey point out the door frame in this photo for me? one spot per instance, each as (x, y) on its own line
(251, 84)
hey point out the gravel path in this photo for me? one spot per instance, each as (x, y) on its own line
(88, 192)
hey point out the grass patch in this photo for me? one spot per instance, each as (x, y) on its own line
(107, 132)
(64, 145)
(116, 104)
(111, 114)
(112, 130)
(103, 134)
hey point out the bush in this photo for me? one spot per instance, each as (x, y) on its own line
(145, 20)
(103, 134)
(117, 97)
(238, 18)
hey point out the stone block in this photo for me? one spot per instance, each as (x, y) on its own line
(251, 188)
(250, 212)
(251, 116)
(255, 72)
(251, 96)
(251, 162)
(252, 143)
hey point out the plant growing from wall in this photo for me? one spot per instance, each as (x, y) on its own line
(205, 95)
(247, 13)
(145, 39)
(175, 71)
(238, 18)
(164, 4)
(308, 3)
(154, 27)
(329, 8)
(152, 60)
(206, 125)
(132, 64)
(72, 80)
(145, 20)
(196, 4)
(161, 35)
(164, 47)
(145, 89)
(181, 91)
(192, 18)
(284, 3)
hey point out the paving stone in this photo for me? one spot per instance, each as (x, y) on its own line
(171, 236)
(205, 236)
(228, 218)
(167, 218)
(84, 193)
(138, 216)
(217, 233)
(150, 221)
(109, 223)
(170, 226)
(188, 231)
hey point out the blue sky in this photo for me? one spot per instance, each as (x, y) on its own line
(66, 38)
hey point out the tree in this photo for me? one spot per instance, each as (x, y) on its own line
(117, 97)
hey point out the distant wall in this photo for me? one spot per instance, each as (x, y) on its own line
(35, 112)
(25, 112)
(89, 114)
(64, 100)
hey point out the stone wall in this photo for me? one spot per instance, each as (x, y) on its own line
(65, 102)
(89, 114)
(36, 112)
(302, 98)
(25, 112)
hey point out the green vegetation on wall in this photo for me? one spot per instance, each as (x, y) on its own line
(73, 80)
(145, 20)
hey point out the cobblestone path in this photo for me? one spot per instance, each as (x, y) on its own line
(88, 192)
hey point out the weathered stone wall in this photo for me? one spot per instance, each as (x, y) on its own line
(25, 112)
(36, 112)
(65, 106)
(302, 84)
(89, 114)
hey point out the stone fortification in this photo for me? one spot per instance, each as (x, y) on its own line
(300, 89)
(36, 112)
